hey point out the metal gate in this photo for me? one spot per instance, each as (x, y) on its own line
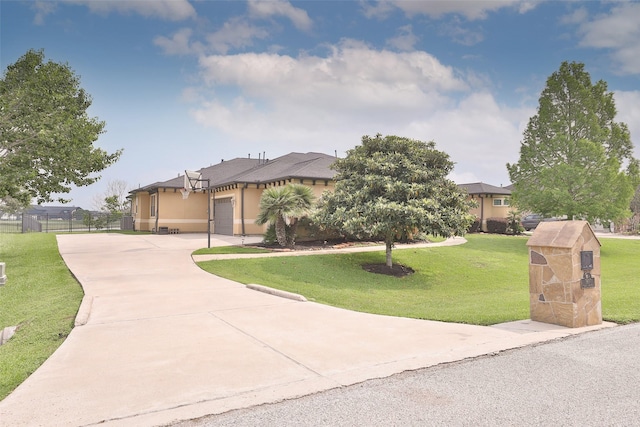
(223, 217)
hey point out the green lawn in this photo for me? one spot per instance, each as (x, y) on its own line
(482, 282)
(620, 264)
(41, 297)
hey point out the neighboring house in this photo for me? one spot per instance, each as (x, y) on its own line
(52, 212)
(236, 187)
(493, 202)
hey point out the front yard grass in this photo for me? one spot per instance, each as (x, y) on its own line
(41, 297)
(484, 281)
(620, 265)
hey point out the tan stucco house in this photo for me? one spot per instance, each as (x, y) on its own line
(235, 188)
(493, 202)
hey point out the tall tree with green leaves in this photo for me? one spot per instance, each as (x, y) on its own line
(284, 207)
(575, 159)
(394, 187)
(46, 135)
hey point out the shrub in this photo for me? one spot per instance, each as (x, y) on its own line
(269, 238)
(513, 223)
(497, 225)
(475, 227)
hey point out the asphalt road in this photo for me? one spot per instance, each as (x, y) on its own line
(592, 379)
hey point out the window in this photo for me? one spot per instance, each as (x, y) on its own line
(153, 205)
(500, 202)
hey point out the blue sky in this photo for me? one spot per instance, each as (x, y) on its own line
(183, 84)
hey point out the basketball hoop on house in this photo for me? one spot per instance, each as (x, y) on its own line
(192, 182)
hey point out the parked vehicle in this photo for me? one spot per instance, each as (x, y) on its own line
(531, 221)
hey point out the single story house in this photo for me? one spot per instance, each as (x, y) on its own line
(52, 212)
(493, 202)
(235, 187)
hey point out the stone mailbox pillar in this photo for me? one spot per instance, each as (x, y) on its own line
(564, 274)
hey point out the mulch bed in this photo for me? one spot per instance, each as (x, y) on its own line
(398, 270)
(315, 245)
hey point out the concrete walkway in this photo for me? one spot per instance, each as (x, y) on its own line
(159, 340)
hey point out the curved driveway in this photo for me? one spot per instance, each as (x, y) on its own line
(159, 340)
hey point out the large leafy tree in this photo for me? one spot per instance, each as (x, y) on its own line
(284, 207)
(46, 135)
(635, 202)
(392, 188)
(575, 159)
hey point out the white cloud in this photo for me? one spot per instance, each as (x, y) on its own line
(405, 40)
(171, 10)
(617, 31)
(471, 10)
(235, 33)
(479, 135)
(179, 43)
(628, 106)
(576, 17)
(380, 9)
(352, 75)
(329, 103)
(42, 9)
(267, 9)
(460, 33)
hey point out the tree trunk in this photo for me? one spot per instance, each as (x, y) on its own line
(293, 228)
(389, 245)
(281, 232)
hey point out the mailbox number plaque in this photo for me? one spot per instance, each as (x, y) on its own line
(586, 260)
(586, 265)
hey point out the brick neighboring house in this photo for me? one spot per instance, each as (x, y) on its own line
(492, 201)
(236, 187)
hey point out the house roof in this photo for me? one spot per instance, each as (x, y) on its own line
(482, 188)
(292, 165)
(51, 210)
(245, 170)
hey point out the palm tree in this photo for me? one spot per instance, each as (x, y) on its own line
(304, 199)
(284, 206)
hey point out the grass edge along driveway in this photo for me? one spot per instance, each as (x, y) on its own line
(41, 297)
(483, 282)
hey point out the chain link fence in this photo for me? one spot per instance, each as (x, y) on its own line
(87, 222)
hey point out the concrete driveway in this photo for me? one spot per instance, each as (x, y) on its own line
(159, 340)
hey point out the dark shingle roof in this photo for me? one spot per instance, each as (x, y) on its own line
(293, 165)
(482, 188)
(245, 170)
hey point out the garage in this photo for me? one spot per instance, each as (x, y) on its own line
(223, 209)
